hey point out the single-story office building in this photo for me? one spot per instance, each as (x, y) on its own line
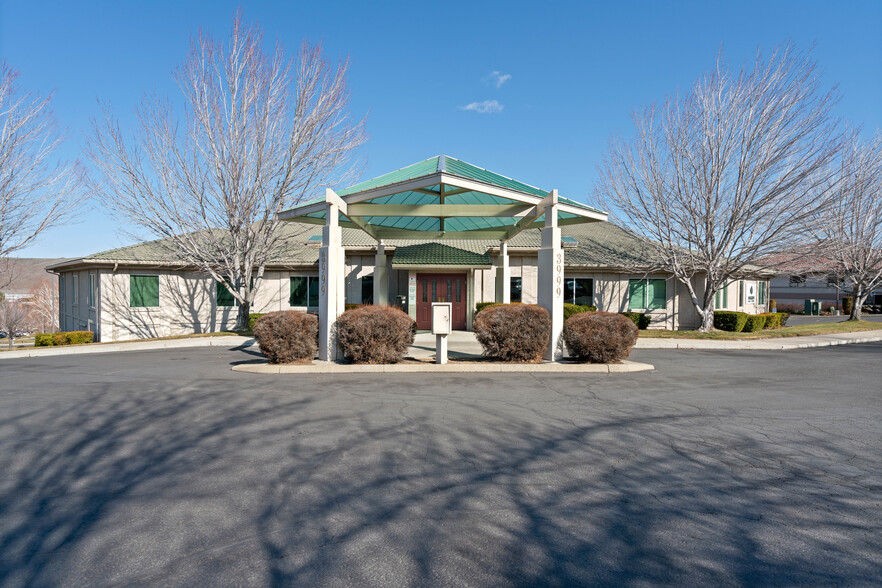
(438, 230)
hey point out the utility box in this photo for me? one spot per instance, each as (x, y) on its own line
(813, 307)
(442, 323)
(441, 318)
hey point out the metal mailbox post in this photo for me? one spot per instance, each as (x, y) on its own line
(442, 313)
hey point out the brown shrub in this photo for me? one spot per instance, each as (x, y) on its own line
(600, 337)
(287, 336)
(375, 334)
(516, 332)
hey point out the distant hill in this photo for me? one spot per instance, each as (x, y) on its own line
(25, 272)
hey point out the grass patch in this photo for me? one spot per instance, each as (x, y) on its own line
(795, 331)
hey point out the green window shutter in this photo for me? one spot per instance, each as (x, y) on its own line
(299, 288)
(657, 295)
(223, 295)
(144, 291)
(761, 293)
(637, 294)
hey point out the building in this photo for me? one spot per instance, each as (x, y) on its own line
(440, 230)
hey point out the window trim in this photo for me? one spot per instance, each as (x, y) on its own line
(93, 290)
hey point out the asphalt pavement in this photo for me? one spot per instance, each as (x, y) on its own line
(167, 468)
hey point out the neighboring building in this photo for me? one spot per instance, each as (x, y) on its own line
(803, 277)
(140, 291)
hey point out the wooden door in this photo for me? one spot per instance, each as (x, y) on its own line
(441, 288)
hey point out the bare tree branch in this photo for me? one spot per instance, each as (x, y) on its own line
(260, 132)
(14, 319)
(850, 232)
(721, 177)
(36, 191)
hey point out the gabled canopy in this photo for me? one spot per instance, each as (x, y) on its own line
(444, 198)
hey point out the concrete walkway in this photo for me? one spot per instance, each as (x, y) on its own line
(226, 341)
(779, 343)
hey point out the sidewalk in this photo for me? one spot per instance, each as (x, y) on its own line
(776, 343)
(220, 341)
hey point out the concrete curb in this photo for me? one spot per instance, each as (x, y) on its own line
(776, 344)
(449, 368)
(222, 341)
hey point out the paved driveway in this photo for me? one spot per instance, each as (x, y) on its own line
(166, 468)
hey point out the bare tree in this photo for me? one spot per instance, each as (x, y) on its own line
(14, 319)
(259, 133)
(43, 302)
(850, 233)
(36, 190)
(721, 177)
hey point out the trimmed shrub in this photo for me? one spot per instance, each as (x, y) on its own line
(640, 319)
(253, 318)
(754, 323)
(600, 337)
(375, 334)
(513, 332)
(792, 308)
(772, 304)
(847, 304)
(286, 336)
(784, 317)
(574, 309)
(773, 320)
(64, 338)
(730, 320)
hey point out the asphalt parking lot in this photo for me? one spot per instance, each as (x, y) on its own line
(166, 468)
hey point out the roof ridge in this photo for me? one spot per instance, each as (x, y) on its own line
(490, 171)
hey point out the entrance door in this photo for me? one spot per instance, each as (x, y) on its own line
(441, 288)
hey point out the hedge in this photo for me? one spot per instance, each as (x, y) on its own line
(252, 318)
(730, 320)
(65, 338)
(847, 304)
(773, 320)
(785, 316)
(600, 337)
(287, 336)
(375, 334)
(574, 309)
(513, 332)
(640, 319)
(754, 323)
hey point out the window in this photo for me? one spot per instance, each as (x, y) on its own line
(75, 283)
(721, 299)
(61, 293)
(647, 294)
(516, 292)
(579, 291)
(761, 293)
(223, 295)
(740, 292)
(92, 287)
(367, 290)
(143, 291)
(304, 291)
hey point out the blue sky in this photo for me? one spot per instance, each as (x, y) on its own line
(577, 71)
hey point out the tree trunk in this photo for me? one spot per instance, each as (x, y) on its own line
(707, 321)
(859, 297)
(242, 316)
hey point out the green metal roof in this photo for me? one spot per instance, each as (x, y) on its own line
(494, 192)
(438, 254)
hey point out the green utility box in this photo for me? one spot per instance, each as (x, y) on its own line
(813, 307)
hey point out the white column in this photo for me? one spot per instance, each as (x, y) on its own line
(381, 276)
(332, 285)
(551, 274)
(503, 275)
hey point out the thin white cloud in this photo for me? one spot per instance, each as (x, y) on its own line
(485, 107)
(497, 78)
